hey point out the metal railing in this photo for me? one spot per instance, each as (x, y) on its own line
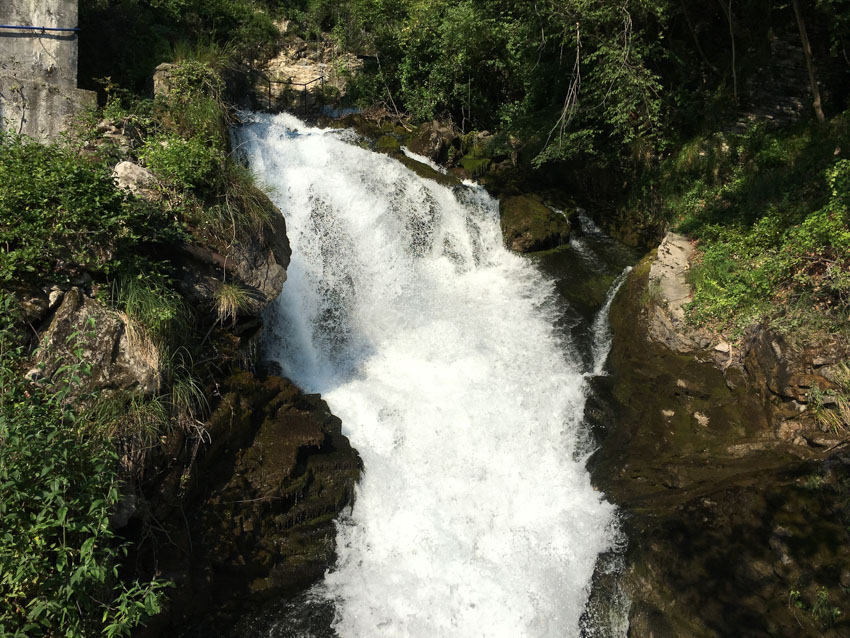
(303, 86)
(41, 29)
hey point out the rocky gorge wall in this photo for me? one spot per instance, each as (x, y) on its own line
(734, 492)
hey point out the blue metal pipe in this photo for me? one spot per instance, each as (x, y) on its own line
(28, 28)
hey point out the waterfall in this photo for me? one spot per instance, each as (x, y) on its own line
(475, 515)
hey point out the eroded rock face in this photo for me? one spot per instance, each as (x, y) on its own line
(260, 261)
(301, 71)
(670, 291)
(257, 262)
(529, 225)
(276, 473)
(120, 358)
(734, 496)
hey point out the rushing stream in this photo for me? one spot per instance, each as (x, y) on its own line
(450, 364)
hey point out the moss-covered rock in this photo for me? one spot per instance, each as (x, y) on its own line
(475, 166)
(529, 225)
(387, 143)
(426, 171)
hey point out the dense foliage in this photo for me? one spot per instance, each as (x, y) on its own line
(771, 214)
(60, 213)
(126, 39)
(563, 74)
(577, 78)
(59, 557)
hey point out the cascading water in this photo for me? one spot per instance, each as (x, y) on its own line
(435, 346)
(602, 328)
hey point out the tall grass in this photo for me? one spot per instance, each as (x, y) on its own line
(158, 314)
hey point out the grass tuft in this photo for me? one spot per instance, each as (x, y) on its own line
(231, 300)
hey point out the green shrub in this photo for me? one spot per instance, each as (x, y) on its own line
(187, 164)
(231, 300)
(237, 210)
(195, 102)
(770, 212)
(61, 212)
(58, 556)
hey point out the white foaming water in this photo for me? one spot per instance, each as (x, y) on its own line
(423, 160)
(602, 326)
(475, 515)
(587, 224)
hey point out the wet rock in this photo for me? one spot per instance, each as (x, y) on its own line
(267, 488)
(433, 140)
(54, 297)
(529, 225)
(732, 496)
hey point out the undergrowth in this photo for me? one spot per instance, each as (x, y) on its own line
(183, 138)
(58, 483)
(770, 211)
(61, 213)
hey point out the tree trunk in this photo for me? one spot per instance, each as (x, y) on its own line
(807, 51)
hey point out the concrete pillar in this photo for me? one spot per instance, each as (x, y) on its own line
(38, 69)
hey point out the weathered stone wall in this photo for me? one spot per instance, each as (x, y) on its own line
(38, 69)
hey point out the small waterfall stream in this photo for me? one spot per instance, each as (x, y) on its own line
(439, 351)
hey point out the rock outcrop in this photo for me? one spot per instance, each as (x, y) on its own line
(301, 72)
(259, 507)
(670, 292)
(260, 260)
(734, 490)
(529, 225)
(119, 356)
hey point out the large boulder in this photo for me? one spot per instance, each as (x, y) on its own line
(118, 355)
(137, 180)
(255, 260)
(529, 225)
(257, 523)
(433, 140)
(260, 260)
